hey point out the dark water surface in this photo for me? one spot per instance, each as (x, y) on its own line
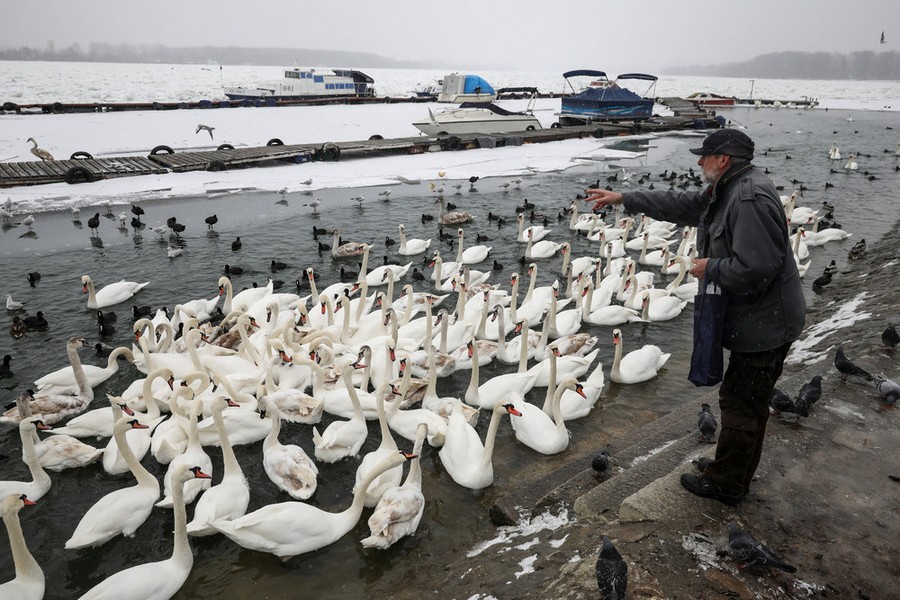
(455, 518)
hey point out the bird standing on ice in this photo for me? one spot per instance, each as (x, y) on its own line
(39, 152)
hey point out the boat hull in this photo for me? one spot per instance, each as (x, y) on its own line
(478, 126)
(592, 110)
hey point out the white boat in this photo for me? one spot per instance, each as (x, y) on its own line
(456, 88)
(478, 117)
(308, 83)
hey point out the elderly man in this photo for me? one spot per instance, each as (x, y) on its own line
(742, 239)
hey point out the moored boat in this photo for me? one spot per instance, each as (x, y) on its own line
(457, 88)
(308, 83)
(478, 117)
(604, 99)
(704, 99)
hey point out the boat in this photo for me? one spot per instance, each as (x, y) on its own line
(478, 117)
(457, 88)
(308, 83)
(704, 99)
(430, 91)
(604, 99)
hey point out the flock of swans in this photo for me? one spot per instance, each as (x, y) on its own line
(357, 357)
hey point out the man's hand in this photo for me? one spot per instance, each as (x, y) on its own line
(698, 267)
(602, 198)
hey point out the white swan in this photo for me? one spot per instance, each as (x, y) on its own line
(287, 529)
(540, 432)
(542, 249)
(663, 308)
(62, 381)
(537, 232)
(566, 366)
(497, 389)
(114, 293)
(405, 422)
(638, 365)
(342, 438)
(40, 481)
(562, 323)
(411, 247)
(851, 163)
(121, 511)
(574, 405)
(452, 218)
(444, 405)
(161, 579)
(820, 238)
(53, 408)
(510, 351)
(193, 456)
(29, 582)
(229, 498)
(464, 457)
(685, 291)
(288, 466)
(386, 449)
(293, 404)
(400, 508)
(834, 153)
(137, 438)
(472, 255)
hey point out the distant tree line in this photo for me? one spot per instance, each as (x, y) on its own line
(806, 65)
(228, 55)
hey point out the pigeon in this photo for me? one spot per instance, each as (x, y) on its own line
(808, 395)
(780, 402)
(12, 304)
(847, 368)
(612, 571)
(600, 464)
(748, 550)
(707, 424)
(889, 337)
(702, 463)
(888, 389)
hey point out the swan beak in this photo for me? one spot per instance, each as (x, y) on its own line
(42, 426)
(199, 474)
(171, 382)
(518, 327)
(26, 501)
(232, 403)
(409, 455)
(135, 424)
(221, 290)
(579, 389)
(84, 289)
(512, 410)
(127, 410)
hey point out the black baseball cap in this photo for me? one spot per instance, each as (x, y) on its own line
(727, 141)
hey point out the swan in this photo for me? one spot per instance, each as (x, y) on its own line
(647, 241)
(464, 457)
(139, 439)
(114, 293)
(342, 438)
(53, 408)
(62, 381)
(121, 511)
(684, 291)
(801, 250)
(834, 153)
(579, 343)
(229, 498)
(613, 314)
(193, 455)
(657, 258)
(542, 249)
(400, 508)
(444, 405)
(243, 422)
(537, 232)
(472, 255)
(287, 529)
(287, 466)
(574, 405)
(339, 250)
(563, 323)
(411, 247)
(405, 422)
(452, 218)
(820, 238)
(387, 448)
(664, 308)
(540, 432)
(580, 222)
(293, 404)
(40, 481)
(28, 583)
(510, 351)
(170, 437)
(638, 365)
(579, 266)
(161, 579)
(851, 163)
(494, 390)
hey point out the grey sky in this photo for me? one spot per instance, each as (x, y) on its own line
(528, 35)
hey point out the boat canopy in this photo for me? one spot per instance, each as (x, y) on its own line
(491, 107)
(610, 94)
(476, 85)
(584, 73)
(643, 76)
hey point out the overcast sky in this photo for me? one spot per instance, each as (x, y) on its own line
(529, 35)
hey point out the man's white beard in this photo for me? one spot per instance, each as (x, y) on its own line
(709, 177)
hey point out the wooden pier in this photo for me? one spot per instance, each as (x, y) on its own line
(82, 168)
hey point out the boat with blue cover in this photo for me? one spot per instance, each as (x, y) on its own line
(604, 99)
(457, 88)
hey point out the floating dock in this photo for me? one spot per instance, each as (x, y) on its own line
(82, 167)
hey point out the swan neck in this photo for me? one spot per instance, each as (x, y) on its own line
(24, 562)
(523, 351)
(181, 550)
(231, 464)
(141, 474)
(491, 437)
(30, 456)
(550, 397)
(85, 391)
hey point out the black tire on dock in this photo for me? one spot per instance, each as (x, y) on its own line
(274, 142)
(161, 149)
(225, 147)
(529, 128)
(599, 133)
(554, 125)
(454, 143)
(10, 107)
(80, 155)
(56, 107)
(78, 175)
(330, 152)
(376, 137)
(216, 165)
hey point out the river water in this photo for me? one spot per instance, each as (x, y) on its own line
(272, 227)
